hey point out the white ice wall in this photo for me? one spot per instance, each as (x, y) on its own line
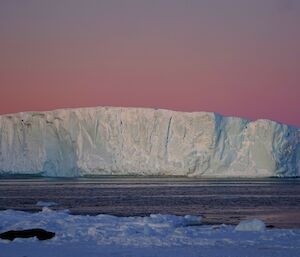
(108, 140)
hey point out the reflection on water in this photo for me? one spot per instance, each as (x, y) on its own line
(276, 201)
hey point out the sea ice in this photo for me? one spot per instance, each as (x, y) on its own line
(155, 235)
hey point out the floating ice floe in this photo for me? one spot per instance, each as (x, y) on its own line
(251, 225)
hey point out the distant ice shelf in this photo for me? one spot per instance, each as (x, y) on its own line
(139, 141)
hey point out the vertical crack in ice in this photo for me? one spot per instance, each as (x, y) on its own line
(184, 134)
(121, 133)
(96, 130)
(168, 138)
(151, 135)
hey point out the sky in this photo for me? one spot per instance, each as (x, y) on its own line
(234, 57)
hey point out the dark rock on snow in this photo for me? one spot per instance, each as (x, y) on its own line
(41, 234)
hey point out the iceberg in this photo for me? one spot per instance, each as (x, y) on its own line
(141, 141)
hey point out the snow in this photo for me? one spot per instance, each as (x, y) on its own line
(154, 235)
(251, 225)
(137, 141)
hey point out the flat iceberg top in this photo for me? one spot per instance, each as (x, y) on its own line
(141, 141)
(154, 235)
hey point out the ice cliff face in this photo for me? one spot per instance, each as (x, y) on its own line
(136, 141)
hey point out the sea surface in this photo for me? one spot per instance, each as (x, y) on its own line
(275, 201)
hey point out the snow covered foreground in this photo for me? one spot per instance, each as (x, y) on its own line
(137, 141)
(156, 235)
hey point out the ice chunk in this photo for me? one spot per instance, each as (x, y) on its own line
(251, 225)
(192, 220)
(46, 210)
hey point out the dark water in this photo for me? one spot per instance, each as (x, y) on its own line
(276, 201)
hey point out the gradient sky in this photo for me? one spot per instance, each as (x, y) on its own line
(234, 57)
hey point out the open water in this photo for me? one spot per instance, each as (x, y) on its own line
(276, 201)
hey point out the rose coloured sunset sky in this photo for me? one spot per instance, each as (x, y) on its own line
(234, 57)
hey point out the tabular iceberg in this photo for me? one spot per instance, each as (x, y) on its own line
(138, 141)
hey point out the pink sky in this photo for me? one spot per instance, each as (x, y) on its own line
(234, 57)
